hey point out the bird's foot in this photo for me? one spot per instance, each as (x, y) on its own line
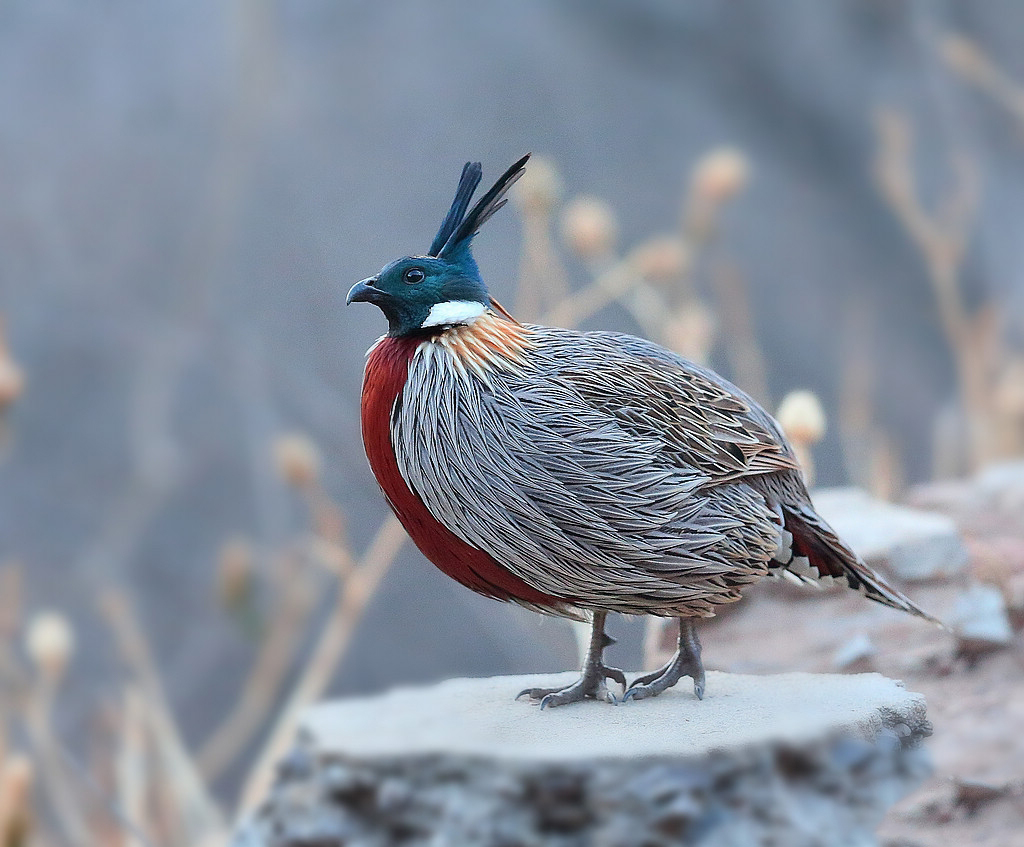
(686, 662)
(652, 684)
(592, 685)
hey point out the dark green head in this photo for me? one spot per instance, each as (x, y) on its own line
(442, 288)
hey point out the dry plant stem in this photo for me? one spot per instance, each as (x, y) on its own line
(855, 390)
(589, 300)
(287, 626)
(353, 596)
(201, 819)
(941, 240)
(649, 309)
(38, 723)
(131, 775)
(745, 354)
(970, 61)
(805, 456)
(327, 545)
(542, 279)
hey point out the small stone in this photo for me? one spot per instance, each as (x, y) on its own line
(296, 765)
(1013, 591)
(980, 620)
(913, 545)
(1002, 481)
(974, 793)
(855, 655)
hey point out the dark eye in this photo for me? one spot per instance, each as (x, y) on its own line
(413, 276)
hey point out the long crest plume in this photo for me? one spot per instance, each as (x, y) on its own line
(471, 174)
(458, 227)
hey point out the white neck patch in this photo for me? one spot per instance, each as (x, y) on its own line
(453, 312)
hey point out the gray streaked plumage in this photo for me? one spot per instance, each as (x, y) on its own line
(602, 468)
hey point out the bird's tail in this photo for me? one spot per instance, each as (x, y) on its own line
(819, 555)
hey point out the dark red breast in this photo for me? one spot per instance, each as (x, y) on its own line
(387, 369)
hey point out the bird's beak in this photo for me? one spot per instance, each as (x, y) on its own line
(364, 292)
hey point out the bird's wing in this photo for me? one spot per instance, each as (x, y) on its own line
(585, 478)
(704, 420)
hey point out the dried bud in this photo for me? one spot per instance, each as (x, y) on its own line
(691, 332)
(539, 188)
(234, 572)
(719, 176)
(962, 55)
(298, 460)
(663, 259)
(801, 417)
(589, 228)
(50, 643)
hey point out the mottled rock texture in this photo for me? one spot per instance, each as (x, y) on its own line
(794, 759)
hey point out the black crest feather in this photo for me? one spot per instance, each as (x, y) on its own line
(470, 179)
(494, 199)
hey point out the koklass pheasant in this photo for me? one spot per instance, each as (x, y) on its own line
(578, 473)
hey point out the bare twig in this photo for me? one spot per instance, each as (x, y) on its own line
(132, 832)
(588, 301)
(200, 818)
(287, 626)
(38, 722)
(745, 354)
(353, 596)
(968, 60)
(132, 773)
(941, 239)
(542, 278)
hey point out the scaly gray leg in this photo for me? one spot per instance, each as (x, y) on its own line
(686, 662)
(592, 683)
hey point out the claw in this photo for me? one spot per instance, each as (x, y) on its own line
(686, 662)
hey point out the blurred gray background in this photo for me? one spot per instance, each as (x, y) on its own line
(187, 189)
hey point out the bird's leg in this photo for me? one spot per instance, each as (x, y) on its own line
(592, 683)
(686, 662)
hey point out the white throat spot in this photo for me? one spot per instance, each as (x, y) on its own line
(453, 312)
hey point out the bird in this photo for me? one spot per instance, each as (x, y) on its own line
(578, 473)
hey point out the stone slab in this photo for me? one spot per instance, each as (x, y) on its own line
(480, 717)
(798, 759)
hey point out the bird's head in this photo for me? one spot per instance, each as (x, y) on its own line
(442, 288)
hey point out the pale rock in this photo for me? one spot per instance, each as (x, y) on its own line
(855, 654)
(913, 545)
(980, 620)
(796, 758)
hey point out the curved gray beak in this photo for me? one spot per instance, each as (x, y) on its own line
(364, 292)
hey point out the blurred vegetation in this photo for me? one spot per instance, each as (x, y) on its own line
(141, 783)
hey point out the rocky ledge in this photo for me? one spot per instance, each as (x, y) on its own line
(795, 759)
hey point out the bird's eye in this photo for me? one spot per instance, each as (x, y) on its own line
(413, 276)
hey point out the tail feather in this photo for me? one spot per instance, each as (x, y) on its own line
(818, 554)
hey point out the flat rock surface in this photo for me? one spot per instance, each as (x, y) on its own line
(480, 717)
(797, 759)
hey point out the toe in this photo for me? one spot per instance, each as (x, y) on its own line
(535, 694)
(617, 675)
